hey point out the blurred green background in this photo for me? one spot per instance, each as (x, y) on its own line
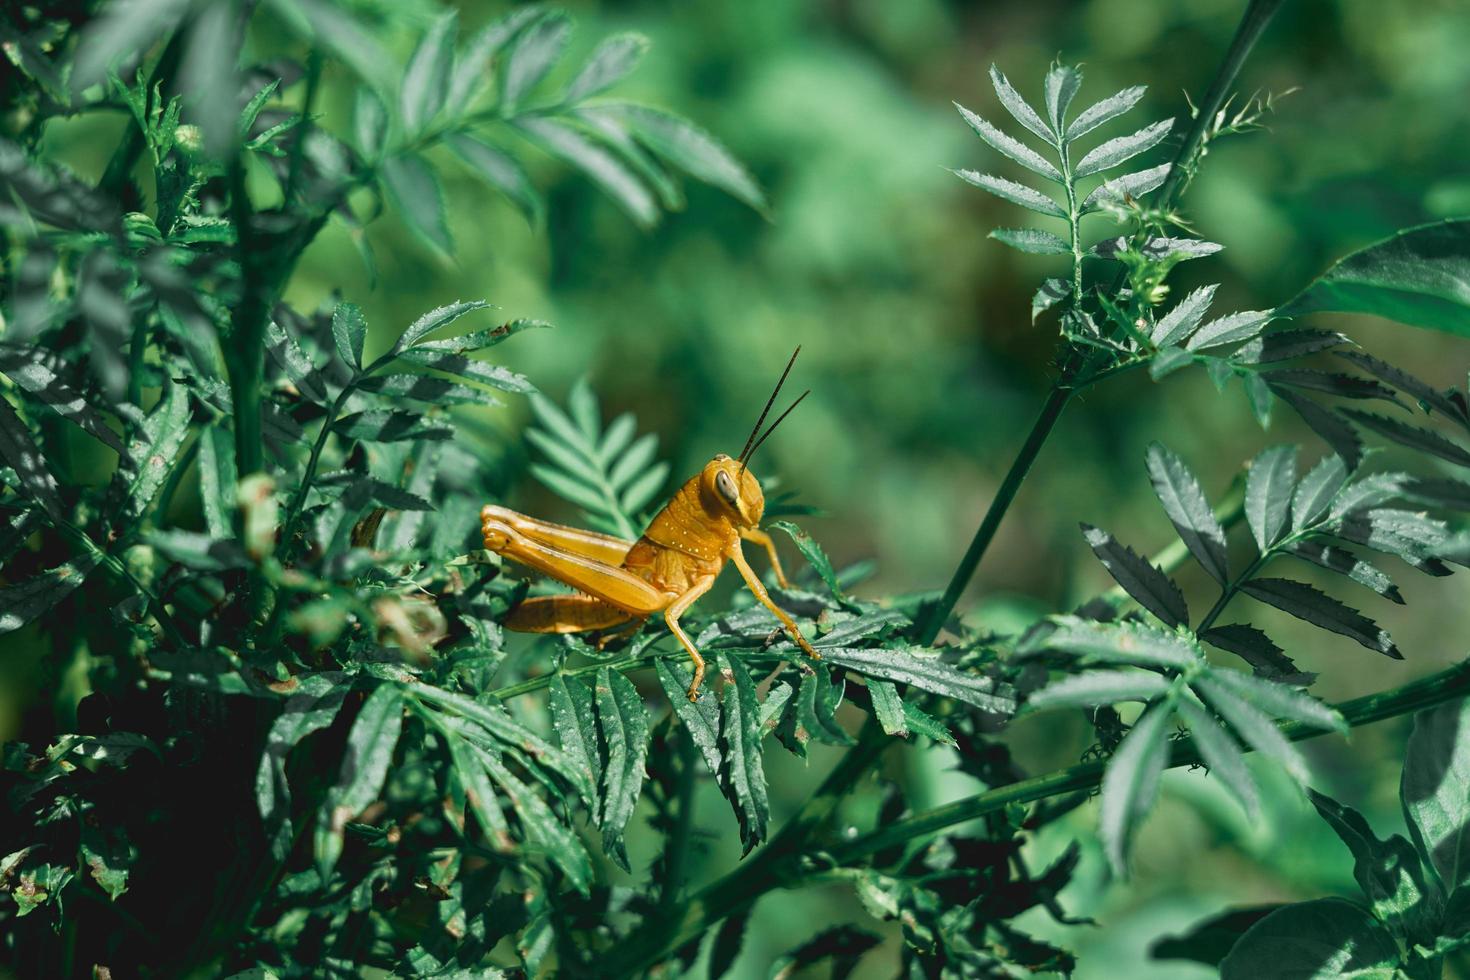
(924, 368)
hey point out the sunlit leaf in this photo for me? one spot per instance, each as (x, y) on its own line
(1189, 511)
(1032, 240)
(1131, 783)
(623, 721)
(369, 752)
(1011, 191)
(609, 62)
(1092, 688)
(742, 771)
(1121, 149)
(1010, 147)
(1105, 111)
(1268, 492)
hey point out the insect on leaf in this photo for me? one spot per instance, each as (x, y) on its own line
(1189, 511)
(742, 772)
(1131, 783)
(1145, 582)
(1308, 604)
(369, 752)
(1268, 490)
(1105, 111)
(623, 721)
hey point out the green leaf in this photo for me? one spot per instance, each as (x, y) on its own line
(426, 76)
(1060, 87)
(701, 718)
(1436, 790)
(1018, 107)
(742, 772)
(1222, 755)
(1092, 688)
(313, 706)
(920, 722)
(1180, 321)
(1439, 492)
(888, 707)
(1209, 941)
(1283, 345)
(1324, 939)
(1424, 440)
(416, 191)
(1139, 644)
(349, 330)
(542, 830)
(472, 68)
(368, 754)
(427, 388)
(23, 601)
(1421, 391)
(217, 479)
(479, 339)
(1010, 147)
(1230, 329)
(1031, 240)
(1334, 431)
(1419, 276)
(500, 170)
(1256, 649)
(198, 551)
(391, 426)
(1341, 385)
(1144, 581)
(1131, 783)
(1413, 538)
(694, 151)
(925, 671)
(369, 124)
(1121, 149)
(1268, 491)
(1346, 563)
(531, 54)
(1279, 700)
(604, 169)
(285, 351)
(1052, 292)
(1253, 726)
(1011, 191)
(1189, 511)
(623, 721)
(478, 789)
(1133, 185)
(815, 709)
(1317, 491)
(813, 553)
(152, 455)
(1308, 604)
(608, 64)
(35, 370)
(108, 857)
(1105, 111)
(467, 367)
(1388, 871)
(19, 450)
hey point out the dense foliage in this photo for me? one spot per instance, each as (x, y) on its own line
(291, 735)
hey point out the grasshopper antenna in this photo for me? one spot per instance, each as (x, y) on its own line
(745, 453)
(781, 418)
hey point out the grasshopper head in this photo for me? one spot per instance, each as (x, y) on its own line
(733, 490)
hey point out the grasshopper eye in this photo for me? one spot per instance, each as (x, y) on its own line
(726, 489)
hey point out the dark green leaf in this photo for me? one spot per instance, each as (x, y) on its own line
(1317, 491)
(1424, 440)
(1121, 149)
(813, 553)
(701, 718)
(694, 151)
(416, 191)
(1125, 187)
(1138, 643)
(1324, 939)
(572, 715)
(198, 551)
(20, 451)
(479, 339)
(312, 707)
(1009, 190)
(1145, 582)
(1157, 249)
(1052, 292)
(475, 779)
(1329, 425)
(152, 454)
(1188, 509)
(1388, 871)
(1413, 538)
(1268, 490)
(472, 67)
(1131, 783)
(435, 319)
(23, 601)
(1222, 754)
(1439, 492)
(1436, 790)
(1105, 111)
(742, 773)
(1018, 107)
(500, 170)
(1093, 688)
(1209, 941)
(542, 830)
(1341, 385)
(369, 124)
(391, 426)
(925, 671)
(474, 370)
(429, 389)
(532, 54)
(284, 350)
(1283, 345)
(623, 722)
(34, 370)
(1419, 276)
(368, 754)
(1256, 649)
(1346, 563)
(349, 330)
(1407, 383)
(1013, 148)
(1258, 394)
(1181, 320)
(217, 479)
(1319, 609)
(1031, 240)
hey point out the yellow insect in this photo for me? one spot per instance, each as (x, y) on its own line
(675, 562)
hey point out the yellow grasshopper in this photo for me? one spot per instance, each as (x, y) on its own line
(675, 562)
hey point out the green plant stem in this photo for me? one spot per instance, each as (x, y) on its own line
(245, 347)
(1046, 420)
(298, 501)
